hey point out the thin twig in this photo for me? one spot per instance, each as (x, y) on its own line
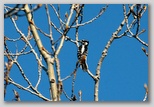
(73, 84)
(27, 89)
(93, 19)
(80, 95)
(66, 95)
(146, 92)
(39, 74)
(50, 28)
(16, 95)
(144, 50)
(58, 15)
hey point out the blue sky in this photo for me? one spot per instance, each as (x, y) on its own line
(123, 72)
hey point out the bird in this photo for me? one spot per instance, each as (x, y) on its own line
(82, 54)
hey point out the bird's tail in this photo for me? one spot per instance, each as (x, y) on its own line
(84, 66)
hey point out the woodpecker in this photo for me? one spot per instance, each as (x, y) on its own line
(82, 54)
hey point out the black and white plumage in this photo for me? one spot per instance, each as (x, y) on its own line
(82, 54)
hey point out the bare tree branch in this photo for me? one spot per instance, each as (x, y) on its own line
(67, 29)
(93, 19)
(27, 89)
(104, 54)
(51, 75)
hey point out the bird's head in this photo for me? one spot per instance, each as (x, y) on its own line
(84, 42)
